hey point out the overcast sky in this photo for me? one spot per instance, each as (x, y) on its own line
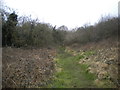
(72, 13)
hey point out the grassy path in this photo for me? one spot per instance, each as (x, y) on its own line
(70, 74)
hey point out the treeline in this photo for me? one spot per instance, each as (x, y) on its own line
(106, 28)
(25, 32)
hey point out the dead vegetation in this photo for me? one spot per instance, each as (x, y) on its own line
(27, 68)
(103, 62)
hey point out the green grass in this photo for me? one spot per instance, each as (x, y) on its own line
(72, 74)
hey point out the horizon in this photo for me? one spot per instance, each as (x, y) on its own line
(69, 13)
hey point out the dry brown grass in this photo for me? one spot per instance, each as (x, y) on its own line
(27, 68)
(104, 63)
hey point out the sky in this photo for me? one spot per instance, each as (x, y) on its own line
(71, 13)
